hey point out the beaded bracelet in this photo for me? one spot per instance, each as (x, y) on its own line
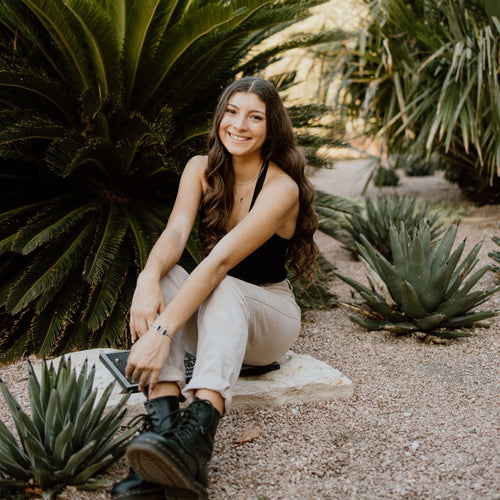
(164, 332)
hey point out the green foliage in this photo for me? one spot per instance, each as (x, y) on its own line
(331, 210)
(424, 76)
(385, 177)
(316, 295)
(374, 226)
(317, 129)
(418, 165)
(69, 437)
(426, 290)
(102, 103)
(495, 255)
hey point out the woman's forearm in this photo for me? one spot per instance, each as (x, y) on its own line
(164, 255)
(197, 287)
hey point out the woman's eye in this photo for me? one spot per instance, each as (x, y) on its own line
(257, 117)
(229, 110)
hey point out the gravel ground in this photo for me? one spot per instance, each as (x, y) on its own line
(422, 424)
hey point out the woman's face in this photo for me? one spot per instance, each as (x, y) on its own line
(243, 128)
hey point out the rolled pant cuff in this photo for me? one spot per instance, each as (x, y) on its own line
(212, 383)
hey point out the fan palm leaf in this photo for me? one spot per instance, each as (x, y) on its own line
(425, 76)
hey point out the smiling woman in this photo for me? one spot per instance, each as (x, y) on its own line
(237, 305)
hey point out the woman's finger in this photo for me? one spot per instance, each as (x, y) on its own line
(143, 382)
(129, 369)
(133, 329)
(154, 381)
(136, 374)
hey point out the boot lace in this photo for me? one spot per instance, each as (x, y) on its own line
(141, 421)
(185, 425)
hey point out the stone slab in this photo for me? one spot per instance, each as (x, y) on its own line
(300, 379)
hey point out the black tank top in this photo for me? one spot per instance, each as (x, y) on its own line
(266, 264)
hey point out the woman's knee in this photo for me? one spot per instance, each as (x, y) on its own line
(172, 281)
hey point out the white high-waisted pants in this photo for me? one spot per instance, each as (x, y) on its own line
(238, 323)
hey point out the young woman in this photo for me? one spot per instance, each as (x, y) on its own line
(237, 306)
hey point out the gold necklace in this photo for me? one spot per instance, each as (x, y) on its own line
(246, 194)
(247, 183)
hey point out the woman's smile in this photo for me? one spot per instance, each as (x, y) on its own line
(238, 138)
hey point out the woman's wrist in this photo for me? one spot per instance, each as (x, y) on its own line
(162, 330)
(148, 274)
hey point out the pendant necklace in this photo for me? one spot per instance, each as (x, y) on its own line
(246, 184)
(245, 195)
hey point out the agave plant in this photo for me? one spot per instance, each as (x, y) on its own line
(102, 102)
(425, 290)
(69, 437)
(424, 76)
(495, 255)
(381, 215)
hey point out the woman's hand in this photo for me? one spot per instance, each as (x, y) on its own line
(147, 357)
(148, 301)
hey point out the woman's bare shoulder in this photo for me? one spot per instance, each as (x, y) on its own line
(197, 163)
(278, 178)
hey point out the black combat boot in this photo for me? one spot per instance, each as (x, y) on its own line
(178, 459)
(158, 419)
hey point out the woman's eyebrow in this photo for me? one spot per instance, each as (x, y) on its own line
(251, 111)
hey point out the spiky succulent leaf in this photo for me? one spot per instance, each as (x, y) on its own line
(385, 212)
(495, 255)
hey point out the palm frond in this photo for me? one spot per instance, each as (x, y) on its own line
(47, 328)
(108, 239)
(103, 295)
(67, 34)
(48, 270)
(40, 87)
(56, 220)
(101, 38)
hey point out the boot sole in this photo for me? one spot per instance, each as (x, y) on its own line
(157, 464)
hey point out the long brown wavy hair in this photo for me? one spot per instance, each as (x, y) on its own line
(279, 147)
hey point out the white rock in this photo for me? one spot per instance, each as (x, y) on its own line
(300, 379)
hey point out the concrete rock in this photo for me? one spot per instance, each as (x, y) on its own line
(300, 379)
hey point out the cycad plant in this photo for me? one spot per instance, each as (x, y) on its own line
(69, 437)
(375, 224)
(426, 290)
(424, 76)
(102, 103)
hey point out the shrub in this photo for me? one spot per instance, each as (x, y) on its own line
(424, 77)
(68, 439)
(425, 290)
(102, 102)
(387, 211)
(385, 177)
(495, 255)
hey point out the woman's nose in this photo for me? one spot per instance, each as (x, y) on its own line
(240, 123)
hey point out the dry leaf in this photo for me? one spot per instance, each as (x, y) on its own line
(249, 434)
